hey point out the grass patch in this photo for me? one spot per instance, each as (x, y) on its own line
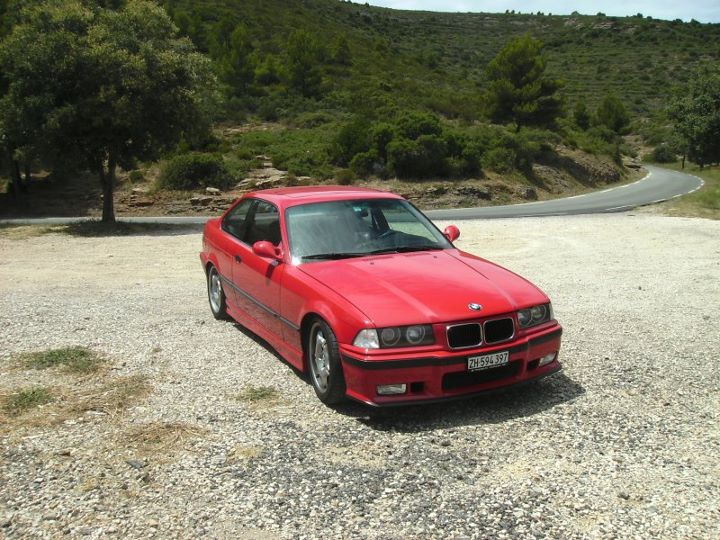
(78, 360)
(258, 394)
(25, 400)
(704, 203)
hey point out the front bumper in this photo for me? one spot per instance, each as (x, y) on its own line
(444, 375)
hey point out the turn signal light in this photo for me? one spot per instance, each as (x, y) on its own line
(391, 389)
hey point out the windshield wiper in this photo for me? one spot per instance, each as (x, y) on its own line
(406, 249)
(330, 256)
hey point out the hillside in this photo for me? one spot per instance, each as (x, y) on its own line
(437, 59)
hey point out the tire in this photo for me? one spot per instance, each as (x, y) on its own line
(216, 295)
(324, 367)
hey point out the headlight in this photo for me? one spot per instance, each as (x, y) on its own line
(534, 315)
(395, 336)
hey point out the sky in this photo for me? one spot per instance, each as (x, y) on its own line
(701, 10)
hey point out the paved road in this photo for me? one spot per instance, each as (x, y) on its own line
(659, 185)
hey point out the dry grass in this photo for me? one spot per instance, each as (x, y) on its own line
(161, 438)
(240, 453)
(23, 232)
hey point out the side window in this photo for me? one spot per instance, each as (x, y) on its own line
(236, 221)
(264, 224)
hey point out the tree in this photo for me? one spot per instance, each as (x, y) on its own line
(612, 114)
(518, 90)
(304, 56)
(236, 68)
(695, 110)
(581, 115)
(108, 87)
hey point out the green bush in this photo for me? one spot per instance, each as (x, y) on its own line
(344, 177)
(499, 159)
(364, 163)
(136, 176)
(663, 154)
(195, 170)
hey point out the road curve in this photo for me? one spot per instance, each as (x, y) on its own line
(659, 185)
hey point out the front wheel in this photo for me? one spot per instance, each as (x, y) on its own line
(324, 362)
(216, 295)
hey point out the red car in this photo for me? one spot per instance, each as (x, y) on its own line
(358, 289)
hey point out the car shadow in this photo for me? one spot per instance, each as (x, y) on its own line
(491, 408)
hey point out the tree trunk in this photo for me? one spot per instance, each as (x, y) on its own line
(683, 161)
(107, 179)
(28, 174)
(16, 179)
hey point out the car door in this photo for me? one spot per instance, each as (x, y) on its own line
(226, 245)
(257, 278)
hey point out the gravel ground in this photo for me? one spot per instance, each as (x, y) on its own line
(623, 443)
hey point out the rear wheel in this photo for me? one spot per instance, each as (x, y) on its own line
(216, 295)
(325, 368)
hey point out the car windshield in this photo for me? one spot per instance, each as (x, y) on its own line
(355, 228)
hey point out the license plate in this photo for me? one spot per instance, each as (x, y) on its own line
(488, 361)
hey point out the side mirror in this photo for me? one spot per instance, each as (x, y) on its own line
(452, 233)
(265, 249)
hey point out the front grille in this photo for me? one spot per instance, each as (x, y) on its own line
(499, 330)
(460, 379)
(462, 336)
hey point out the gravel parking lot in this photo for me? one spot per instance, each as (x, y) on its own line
(625, 442)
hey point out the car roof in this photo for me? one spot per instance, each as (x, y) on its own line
(293, 196)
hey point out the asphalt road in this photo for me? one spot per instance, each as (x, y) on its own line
(659, 185)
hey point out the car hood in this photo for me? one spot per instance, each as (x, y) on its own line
(425, 287)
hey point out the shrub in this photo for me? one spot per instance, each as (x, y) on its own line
(663, 154)
(344, 177)
(364, 163)
(136, 176)
(195, 170)
(499, 159)
(353, 138)
(412, 125)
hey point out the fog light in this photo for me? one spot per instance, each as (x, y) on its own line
(545, 360)
(391, 389)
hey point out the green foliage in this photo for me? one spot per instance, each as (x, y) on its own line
(24, 400)
(106, 86)
(304, 55)
(195, 170)
(581, 116)
(235, 65)
(611, 113)
(74, 359)
(136, 176)
(663, 154)
(255, 394)
(518, 90)
(696, 113)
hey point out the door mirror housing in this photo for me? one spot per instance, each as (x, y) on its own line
(452, 233)
(265, 249)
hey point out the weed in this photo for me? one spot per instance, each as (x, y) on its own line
(24, 400)
(255, 394)
(73, 359)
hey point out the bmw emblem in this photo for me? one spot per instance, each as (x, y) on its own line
(475, 307)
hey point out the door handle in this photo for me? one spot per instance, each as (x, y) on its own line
(238, 259)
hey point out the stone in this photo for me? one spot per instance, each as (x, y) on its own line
(212, 191)
(529, 193)
(199, 200)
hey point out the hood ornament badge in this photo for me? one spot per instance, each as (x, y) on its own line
(475, 307)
